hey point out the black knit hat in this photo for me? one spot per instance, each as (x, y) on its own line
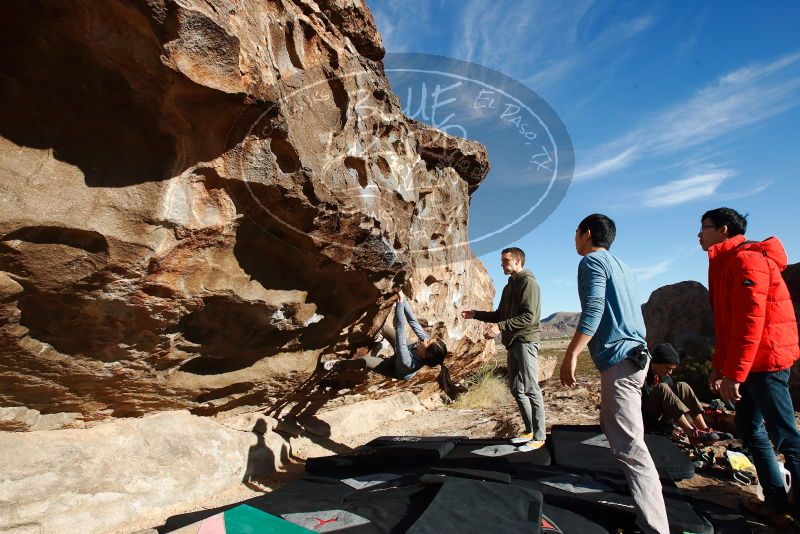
(665, 353)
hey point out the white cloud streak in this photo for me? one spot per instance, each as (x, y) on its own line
(608, 165)
(647, 272)
(702, 185)
(737, 100)
(541, 43)
(703, 182)
(404, 24)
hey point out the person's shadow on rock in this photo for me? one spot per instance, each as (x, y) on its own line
(260, 459)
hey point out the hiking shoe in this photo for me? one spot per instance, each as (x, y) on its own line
(376, 347)
(702, 437)
(780, 520)
(531, 446)
(330, 365)
(754, 506)
(524, 438)
(700, 464)
(723, 436)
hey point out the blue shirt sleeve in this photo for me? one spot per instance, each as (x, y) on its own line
(592, 293)
(412, 321)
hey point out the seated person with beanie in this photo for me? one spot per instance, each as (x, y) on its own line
(666, 402)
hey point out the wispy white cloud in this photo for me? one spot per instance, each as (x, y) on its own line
(388, 30)
(646, 272)
(702, 185)
(738, 99)
(610, 164)
(702, 182)
(760, 186)
(539, 42)
(405, 25)
(661, 265)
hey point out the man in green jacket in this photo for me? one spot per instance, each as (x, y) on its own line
(517, 320)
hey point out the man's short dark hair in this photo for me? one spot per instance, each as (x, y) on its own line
(515, 253)
(603, 230)
(735, 221)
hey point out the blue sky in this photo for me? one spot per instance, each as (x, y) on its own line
(672, 109)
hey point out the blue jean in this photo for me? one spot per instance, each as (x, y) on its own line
(765, 413)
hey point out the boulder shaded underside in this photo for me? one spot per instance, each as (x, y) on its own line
(202, 199)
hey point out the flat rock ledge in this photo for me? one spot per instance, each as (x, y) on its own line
(101, 479)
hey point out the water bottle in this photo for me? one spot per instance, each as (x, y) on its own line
(787, 481)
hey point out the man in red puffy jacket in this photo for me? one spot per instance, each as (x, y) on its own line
(756, 345)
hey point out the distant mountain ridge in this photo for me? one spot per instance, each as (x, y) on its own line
(559, 324)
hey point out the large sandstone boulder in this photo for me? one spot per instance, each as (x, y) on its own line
(680, 314)
(202, 198)
(792, 277)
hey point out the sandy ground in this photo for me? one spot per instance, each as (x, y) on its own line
(577, 405)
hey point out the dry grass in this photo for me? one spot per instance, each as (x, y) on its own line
(486, 388)
(584, 369)
(553, 348)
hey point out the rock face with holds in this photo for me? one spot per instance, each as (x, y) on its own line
(201, 198)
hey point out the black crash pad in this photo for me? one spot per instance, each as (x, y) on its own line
(402, 455)
(583, 494)
(492, 454)
(571, 451)
(474, 506)
(557, 520)
(400, 440)
(320, 502)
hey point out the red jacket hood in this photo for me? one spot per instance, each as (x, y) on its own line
(771, 247)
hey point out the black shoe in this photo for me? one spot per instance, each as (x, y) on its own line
(702, 437)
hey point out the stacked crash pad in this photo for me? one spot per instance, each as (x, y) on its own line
(585, 448)
(453, 484)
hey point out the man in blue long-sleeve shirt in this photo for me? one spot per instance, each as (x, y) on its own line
(611, 325)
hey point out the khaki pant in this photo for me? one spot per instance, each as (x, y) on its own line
(669, 402)
(621, 419)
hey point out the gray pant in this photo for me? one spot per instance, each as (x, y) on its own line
(621, 419)
(523, 381)
(387, 330)
(384, 366)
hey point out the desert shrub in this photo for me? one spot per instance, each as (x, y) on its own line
(694, 369)
(486, 388)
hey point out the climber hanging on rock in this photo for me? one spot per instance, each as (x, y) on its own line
(408, 358)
